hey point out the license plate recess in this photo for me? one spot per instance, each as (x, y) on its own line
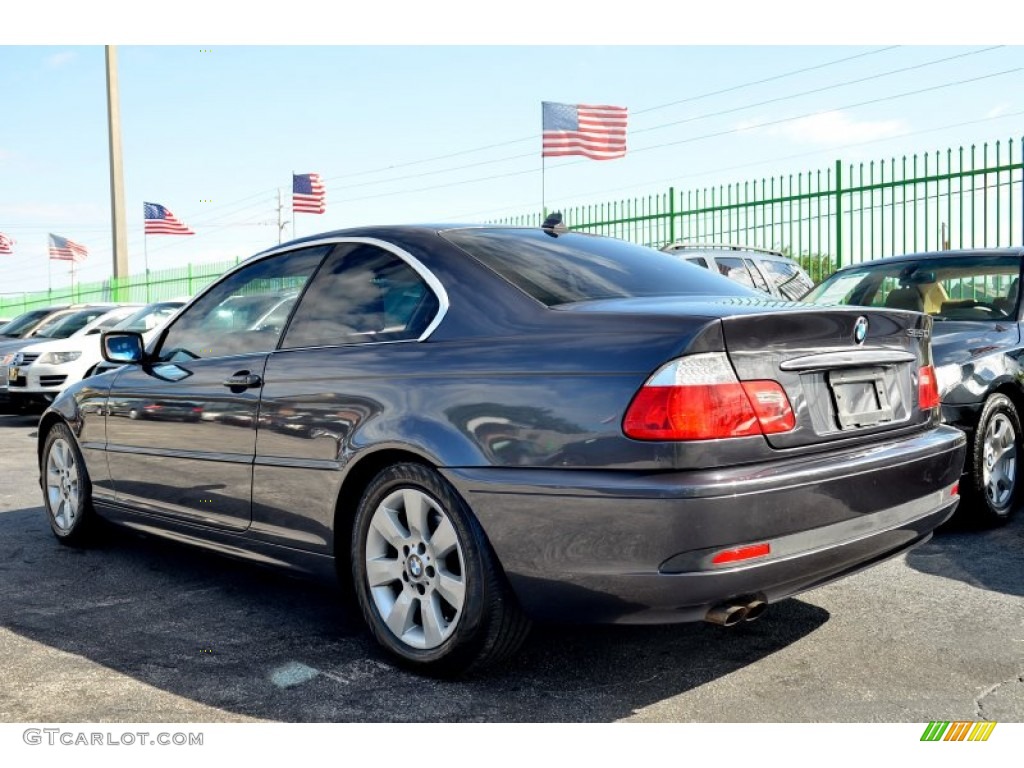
(860, 397)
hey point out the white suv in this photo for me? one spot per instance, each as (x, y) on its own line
(768, 271)
(38, 372)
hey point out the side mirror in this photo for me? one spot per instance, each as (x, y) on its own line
(93, 332)
(123, 347)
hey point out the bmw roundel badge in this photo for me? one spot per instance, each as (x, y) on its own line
(860, 329)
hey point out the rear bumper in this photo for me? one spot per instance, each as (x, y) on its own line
(625, 547)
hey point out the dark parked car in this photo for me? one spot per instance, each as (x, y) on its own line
(767, 271)
(974, 298)
(507, 424)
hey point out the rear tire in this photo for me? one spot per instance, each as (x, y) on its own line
(996, 449)
(427, 581)
(67, 492)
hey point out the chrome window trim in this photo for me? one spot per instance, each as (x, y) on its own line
(428, 277)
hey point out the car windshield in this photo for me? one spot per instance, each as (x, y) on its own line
(22, 323)
(971, 287)
(576, 267)
(71, 324)
(148, 318)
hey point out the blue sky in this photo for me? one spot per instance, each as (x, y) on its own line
(212, 131)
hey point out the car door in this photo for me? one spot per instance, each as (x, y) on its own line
(338, 372)
(181, 429)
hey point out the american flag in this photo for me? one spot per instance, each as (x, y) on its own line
(6, 244)
(63, 249)
(307, 193)
(594, 131)
(160, 221)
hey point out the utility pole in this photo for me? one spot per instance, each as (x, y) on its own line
(280, 222)
(119, 224)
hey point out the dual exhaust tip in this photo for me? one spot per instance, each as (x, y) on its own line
(732, 612)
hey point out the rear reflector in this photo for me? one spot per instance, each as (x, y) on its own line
(698, 397)
(955, 490)
(927, 388)
(740, 554)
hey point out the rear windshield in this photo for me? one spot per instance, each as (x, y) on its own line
(576, 267)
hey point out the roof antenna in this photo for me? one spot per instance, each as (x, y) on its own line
(553, 225)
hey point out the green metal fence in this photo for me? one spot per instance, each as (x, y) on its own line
(137, 289)
(963, 198)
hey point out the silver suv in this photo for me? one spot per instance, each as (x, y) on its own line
(757, 268)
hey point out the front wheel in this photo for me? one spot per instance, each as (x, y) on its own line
(428, 584)
(67, 492)
(996, 449)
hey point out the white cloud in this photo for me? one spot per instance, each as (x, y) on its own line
(998, 109)
(830, 128)
(58, 60)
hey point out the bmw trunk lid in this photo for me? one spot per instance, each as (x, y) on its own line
(848, 373)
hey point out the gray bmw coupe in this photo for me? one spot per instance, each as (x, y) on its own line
(479, 426)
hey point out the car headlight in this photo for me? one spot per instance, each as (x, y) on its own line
(8, 358)
(58, 358)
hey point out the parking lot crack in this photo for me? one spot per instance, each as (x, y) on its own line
(979, 706)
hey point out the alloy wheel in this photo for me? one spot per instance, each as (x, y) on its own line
(62, 484)
(999, 465)
(415, 568)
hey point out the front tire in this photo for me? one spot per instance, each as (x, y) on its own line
(67, 492)
(995, 453)
(427, 582)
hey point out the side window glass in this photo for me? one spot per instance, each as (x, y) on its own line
(789, 279)
(700, 261)
(756, 275)
(362, 294)
(734, 269)
(245, 313)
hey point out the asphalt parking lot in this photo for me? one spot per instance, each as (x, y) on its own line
(139, 630)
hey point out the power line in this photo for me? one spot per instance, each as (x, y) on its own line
(767, 79)
(855, 81)
(816, 113)
(700, 137)
(698, 97)
(694, 118)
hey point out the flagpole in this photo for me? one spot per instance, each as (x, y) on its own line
(543, 203)
(49, 279)
(293, 205)
(73, 280)
(145, 255)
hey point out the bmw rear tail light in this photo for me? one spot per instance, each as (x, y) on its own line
(698, 397)
(927, 388)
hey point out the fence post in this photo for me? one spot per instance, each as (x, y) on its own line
(671, 214)
(190, 278)
(839, 214)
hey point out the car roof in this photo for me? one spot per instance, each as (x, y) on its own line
(993, 252)
(384, 231)
(711, 248)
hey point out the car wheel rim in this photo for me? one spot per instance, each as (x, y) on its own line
(999, 463)
(415, 569)
(62, 489)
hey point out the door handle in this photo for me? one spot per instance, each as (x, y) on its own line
(243, 379)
